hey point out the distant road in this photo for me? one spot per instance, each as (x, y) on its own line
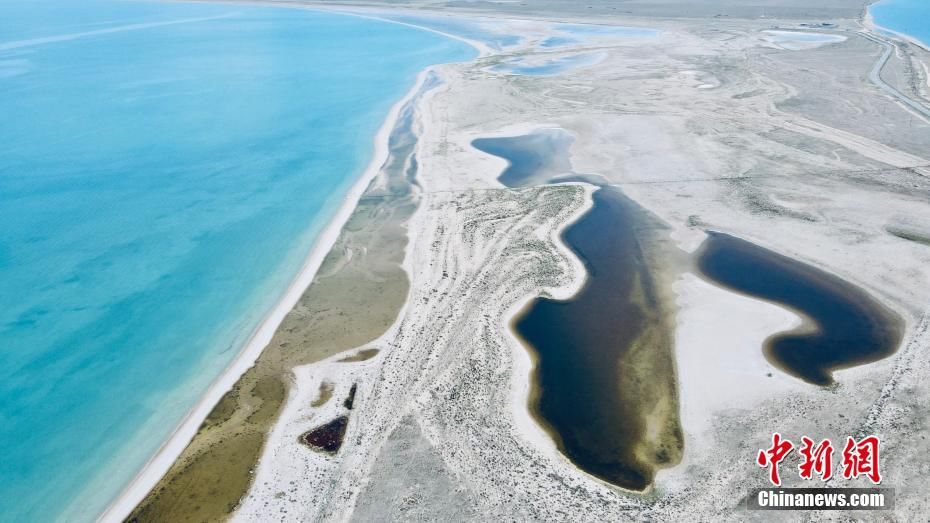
(876, 77)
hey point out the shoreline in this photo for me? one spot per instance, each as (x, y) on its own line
(456, 412)
(882, 334)
(524, 389)
(169, 451)
(868, 21)
(532, 390)
(687, 286)
(370, 13)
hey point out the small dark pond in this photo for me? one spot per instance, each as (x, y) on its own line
(327, 438)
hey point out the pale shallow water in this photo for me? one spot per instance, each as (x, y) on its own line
(550, 67)
(164, 170)
(573, 34)
(800, 40)
(499, 34)
(533, 158)
(610, 31)
(493, 33)
(558, 41)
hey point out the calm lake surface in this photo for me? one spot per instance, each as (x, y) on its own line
(604, 366)
(590, 366)
(849, 327)
(533, 158)
(911, 17)
(550, 67)
(164, 170)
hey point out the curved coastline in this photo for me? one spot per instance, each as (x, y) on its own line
(549, 480)
(524, 389)
(576, 395)
(868, 20)
(843, 325)
(157, 466)
(608, 389)
(368, 13)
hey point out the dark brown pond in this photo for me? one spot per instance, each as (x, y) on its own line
(328, 437)
(846, 326)
(350, 399)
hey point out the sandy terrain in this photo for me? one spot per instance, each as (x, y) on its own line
(820, 152)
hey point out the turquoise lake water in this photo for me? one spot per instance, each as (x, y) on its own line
(164, 170)
(911, 17)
